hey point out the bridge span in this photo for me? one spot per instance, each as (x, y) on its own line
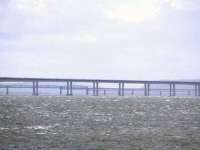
(96, 87)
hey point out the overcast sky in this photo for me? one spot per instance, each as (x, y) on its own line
(108, 39)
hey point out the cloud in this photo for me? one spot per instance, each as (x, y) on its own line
(83, 37)
(32, 6)
(50, 16)
(129, 11)
(87, 37)
(141, 11)
(186, 5)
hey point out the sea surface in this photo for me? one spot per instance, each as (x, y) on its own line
(99, 123)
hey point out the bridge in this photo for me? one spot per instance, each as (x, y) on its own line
(92, 86)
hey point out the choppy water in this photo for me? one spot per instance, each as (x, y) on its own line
(99, 123)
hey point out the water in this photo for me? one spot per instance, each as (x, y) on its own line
(99, 123)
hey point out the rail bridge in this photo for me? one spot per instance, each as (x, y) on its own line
(95, 89)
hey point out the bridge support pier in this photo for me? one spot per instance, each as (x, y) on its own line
(60, 91)
(87, 91)
(121, 89)
(196, 89)
(69, 88)
(33, 88)
(172, 89)
(104, 92)
(37, 88)
(95, 88)
(7, 90)
(146, 89)
(132, 92)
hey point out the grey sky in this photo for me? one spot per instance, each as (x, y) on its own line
(112, 39)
